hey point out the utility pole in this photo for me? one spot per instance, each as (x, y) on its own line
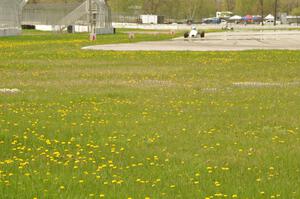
(297, 16)
(92, 20)
(90, 16)
(275, 12)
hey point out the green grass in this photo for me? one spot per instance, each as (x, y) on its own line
(146, 124)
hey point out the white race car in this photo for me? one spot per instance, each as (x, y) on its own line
(194, 33)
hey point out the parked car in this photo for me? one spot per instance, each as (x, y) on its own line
(271, 22)
(212, 21)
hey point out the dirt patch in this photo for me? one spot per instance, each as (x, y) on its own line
(9, 91)
(265, 84)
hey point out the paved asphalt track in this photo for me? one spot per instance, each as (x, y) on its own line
(222, 41)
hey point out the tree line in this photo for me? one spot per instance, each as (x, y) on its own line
(197, 9)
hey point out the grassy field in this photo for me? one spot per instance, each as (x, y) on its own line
(146, 124)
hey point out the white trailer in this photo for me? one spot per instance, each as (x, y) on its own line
(152, 19)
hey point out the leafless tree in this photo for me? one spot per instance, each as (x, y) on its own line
(262, 10)
(152, 6)
(230, 4)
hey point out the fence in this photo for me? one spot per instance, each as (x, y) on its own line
(84, 13)
(13, 13)
(10, 14)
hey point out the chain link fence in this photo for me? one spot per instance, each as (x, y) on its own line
(93, 15)
(10, 14)
(47, 13)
